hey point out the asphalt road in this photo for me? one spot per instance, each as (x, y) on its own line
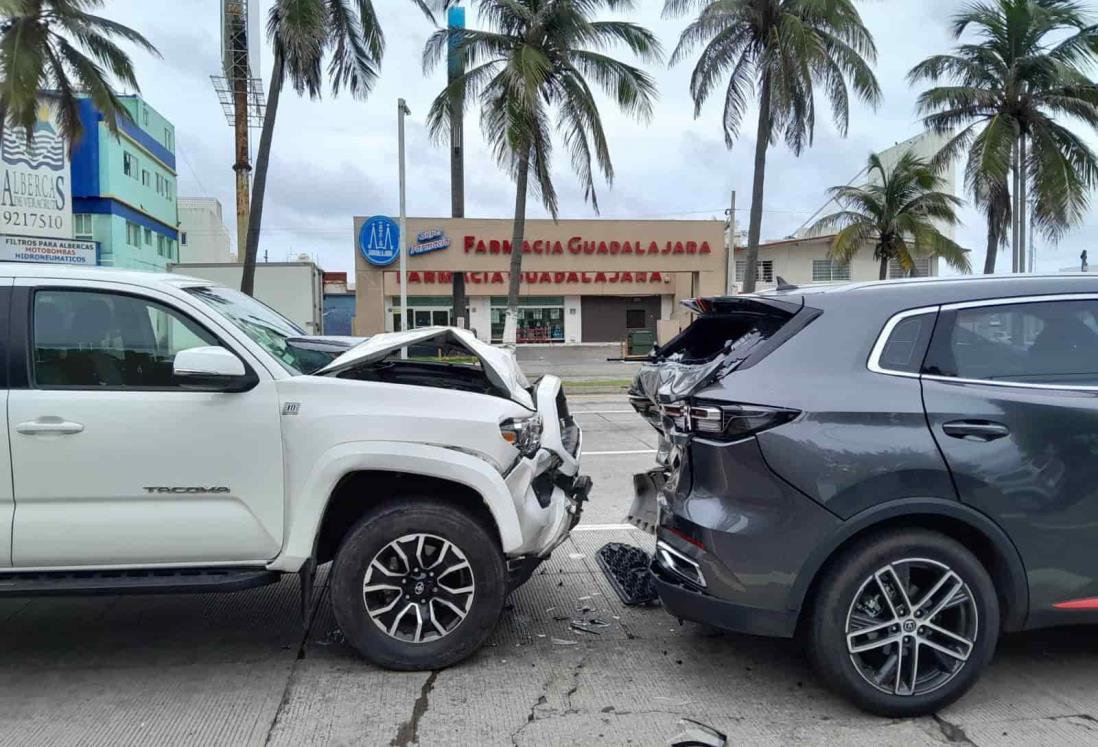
(238, 669)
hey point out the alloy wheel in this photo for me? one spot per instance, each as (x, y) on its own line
(911, 627)
(418, 588)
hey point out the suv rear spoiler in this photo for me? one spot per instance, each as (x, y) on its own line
(717, 305)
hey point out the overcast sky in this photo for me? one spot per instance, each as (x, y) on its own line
(336, 158)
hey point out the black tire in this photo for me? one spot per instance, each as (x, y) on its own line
(373, 534)
(916, 555)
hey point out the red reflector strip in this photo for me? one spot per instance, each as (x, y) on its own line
(687, 538)
(1091, 603)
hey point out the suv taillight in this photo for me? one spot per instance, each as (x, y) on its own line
(728, 421)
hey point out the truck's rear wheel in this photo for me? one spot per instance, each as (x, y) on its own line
(418, 585)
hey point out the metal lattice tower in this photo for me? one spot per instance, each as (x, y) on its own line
(240, 91)
(240, 64)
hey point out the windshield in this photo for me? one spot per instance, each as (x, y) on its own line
(264, 325)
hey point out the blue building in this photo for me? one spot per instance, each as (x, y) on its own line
(124, 187)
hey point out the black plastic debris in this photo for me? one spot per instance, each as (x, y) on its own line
(698, 735)
(626, 567)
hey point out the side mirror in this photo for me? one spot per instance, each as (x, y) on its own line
(212, 369)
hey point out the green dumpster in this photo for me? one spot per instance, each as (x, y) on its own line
(641, 341)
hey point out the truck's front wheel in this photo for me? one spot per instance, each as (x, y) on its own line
(418, 585)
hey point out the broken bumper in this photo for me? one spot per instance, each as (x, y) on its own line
(549, 490)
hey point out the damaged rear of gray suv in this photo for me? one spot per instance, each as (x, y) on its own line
(875, 466)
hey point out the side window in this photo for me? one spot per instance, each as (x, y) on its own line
(906, 345)
(85, 339)
(1047, 342)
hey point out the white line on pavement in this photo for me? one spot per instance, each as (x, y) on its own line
(617, 453)
(603, 527)
(604, 412)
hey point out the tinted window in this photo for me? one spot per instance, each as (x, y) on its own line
(1050, 342)
(906, 345)
(84, 339)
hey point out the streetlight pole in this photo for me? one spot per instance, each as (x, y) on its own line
(402, 112)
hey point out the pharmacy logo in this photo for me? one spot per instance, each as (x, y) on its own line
(45, 150)
(379, 240)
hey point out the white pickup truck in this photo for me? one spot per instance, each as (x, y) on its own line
(162, 434)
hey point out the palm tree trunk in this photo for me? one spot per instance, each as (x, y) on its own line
(1023, 259)
(259, 185)
(992, 242)
(510, 324)
(884, 269)
(754, 228)
(1014, 212)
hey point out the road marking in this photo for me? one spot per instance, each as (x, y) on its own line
(603, 527)
(616, 453)
(605, 412)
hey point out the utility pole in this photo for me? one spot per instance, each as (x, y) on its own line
(731, 272)
(402, 112)
(455, 68)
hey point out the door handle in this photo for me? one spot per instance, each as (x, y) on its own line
(976, 430)
(49, 425)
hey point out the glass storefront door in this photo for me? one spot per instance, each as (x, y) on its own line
(541, 320)
(423, 311)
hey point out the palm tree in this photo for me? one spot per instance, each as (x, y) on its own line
(303, 33)
(532, 72)
(1025, 70)
(62, 47)
(782, 49)
(896, 213)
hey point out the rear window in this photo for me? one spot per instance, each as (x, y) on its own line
(716, 334)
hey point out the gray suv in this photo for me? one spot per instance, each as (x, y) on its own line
(896, 471)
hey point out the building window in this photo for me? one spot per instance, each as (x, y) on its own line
(82, 225)
(159, 184)
(168, 138)
(133, 234)
(922, 269)
(144, 178)
(148, 236)
(829, 271)
(168, 189)
(183, 238)
(146, 117)
(161, 245)
(764, 272)
(129, 164)
(540, 319)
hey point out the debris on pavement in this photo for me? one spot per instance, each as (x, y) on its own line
(626, 568)
(698, 735)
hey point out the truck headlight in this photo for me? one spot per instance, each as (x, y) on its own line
(523, 433)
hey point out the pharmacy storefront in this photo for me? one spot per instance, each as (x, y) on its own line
(582, 281)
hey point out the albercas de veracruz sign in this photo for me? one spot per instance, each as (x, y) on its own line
(35, 193)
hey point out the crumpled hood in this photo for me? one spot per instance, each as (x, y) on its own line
(499, 364)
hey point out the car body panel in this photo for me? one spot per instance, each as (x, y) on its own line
(1040, 483)
(499, 365)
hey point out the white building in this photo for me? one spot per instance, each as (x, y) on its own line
(203, 236)
(803, 258)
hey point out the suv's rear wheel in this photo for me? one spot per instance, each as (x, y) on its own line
(904, 623)
(418, 585)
